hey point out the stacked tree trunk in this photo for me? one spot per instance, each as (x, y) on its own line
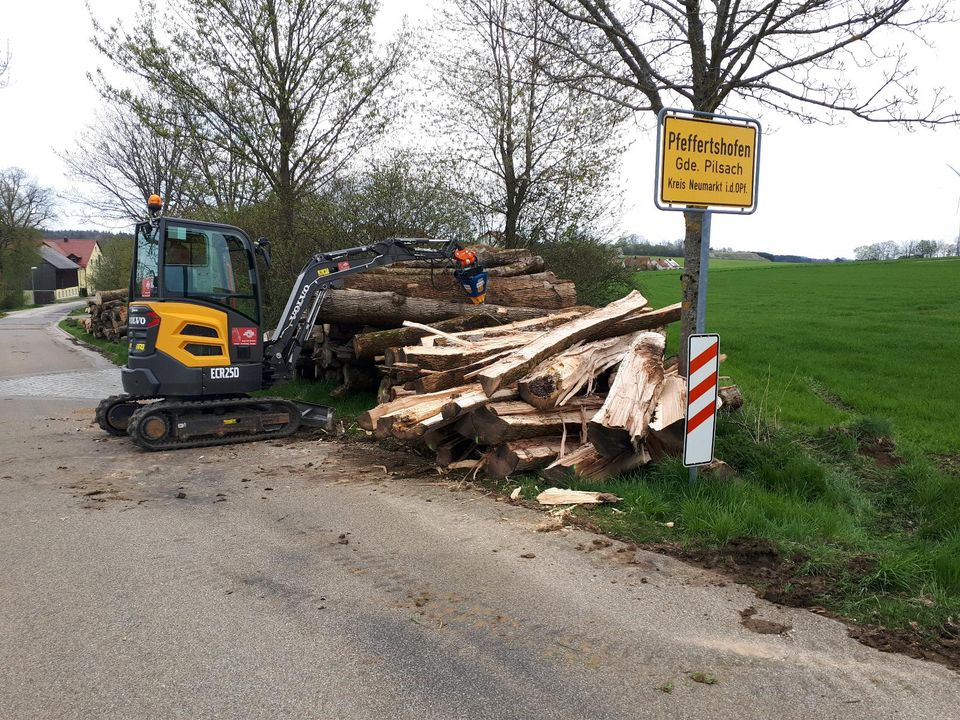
(108, 315)
(577, 393)
(359, 322)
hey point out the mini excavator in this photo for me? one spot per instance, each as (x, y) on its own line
(197, 350)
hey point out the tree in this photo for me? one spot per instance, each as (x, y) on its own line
(289, 88)
(543, 152)
(24, 206)
(5, 67)
(400, 195)
(125, 161)
(111, 269)
(789, 56)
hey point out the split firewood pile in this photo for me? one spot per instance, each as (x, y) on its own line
(578, 393)
(108, 315)
(358, 323)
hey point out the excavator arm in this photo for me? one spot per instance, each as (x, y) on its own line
(325, 271)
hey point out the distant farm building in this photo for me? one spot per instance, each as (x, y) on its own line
(83, 252)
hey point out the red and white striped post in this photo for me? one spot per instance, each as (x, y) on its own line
(703, 353)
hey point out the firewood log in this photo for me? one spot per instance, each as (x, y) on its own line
(620, 425)
(487, 426)
(557, 379)
(407, 422)
(519, 456)
(456, 376)
(524, 359)
(471, 401)
(368, 345)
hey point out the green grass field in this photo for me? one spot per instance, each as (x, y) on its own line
(818, 345)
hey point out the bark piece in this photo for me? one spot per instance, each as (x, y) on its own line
(520, 362)
(585, 463)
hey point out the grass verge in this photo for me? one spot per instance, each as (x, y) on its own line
(833, 520)
(346, 406)
(116, 352)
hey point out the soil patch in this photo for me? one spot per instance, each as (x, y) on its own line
(761, 626)
(942, 647)
(756, 562)
(881, 451)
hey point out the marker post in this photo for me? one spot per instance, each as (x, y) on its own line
(702, 275)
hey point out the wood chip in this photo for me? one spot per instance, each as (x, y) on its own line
(559, 496)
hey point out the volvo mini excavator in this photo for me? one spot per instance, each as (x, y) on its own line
(197, 350)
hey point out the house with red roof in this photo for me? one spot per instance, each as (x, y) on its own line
(85, 253)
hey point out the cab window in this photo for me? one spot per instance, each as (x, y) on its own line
(209, 264)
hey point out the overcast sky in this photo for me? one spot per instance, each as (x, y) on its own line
(823, 189)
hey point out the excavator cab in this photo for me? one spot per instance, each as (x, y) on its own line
(195, 310)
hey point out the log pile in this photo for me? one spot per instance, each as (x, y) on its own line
(388, 307)
(108, 315)
(578, 393)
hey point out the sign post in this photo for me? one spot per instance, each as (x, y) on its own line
(706, 163)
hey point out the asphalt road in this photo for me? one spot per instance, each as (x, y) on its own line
(305, 580)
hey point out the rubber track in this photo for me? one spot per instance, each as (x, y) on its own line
(107, 403)
(177, 406)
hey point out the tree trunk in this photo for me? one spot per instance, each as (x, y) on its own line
(543, 290)
(689, 283)
(105, 296)
(387, 308)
